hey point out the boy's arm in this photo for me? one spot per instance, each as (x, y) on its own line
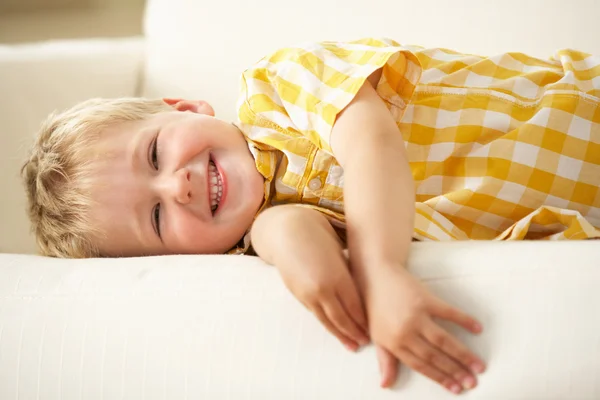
(379, 194)
(380, 205)
(304, 247)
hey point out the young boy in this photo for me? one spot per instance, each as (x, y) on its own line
(366, 144)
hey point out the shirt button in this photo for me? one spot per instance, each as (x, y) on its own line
(314, 184)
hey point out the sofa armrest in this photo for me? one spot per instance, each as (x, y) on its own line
(36, 79)
(225, 327)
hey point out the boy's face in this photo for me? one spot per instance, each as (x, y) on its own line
(158, 187)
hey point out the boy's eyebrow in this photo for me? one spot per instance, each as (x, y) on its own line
(134, 153)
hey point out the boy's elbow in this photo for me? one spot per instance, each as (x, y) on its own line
(283, 217)
(266, 232)
(276, 228)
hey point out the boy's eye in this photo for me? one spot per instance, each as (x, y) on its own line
(154, 153)
(156, 219)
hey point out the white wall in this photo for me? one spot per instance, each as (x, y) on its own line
(36, 20)
(30, 5)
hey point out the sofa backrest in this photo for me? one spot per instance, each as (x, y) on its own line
(197, 49)
(36, 79)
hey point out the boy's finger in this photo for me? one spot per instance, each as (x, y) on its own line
(388, 367)
(429, 371)
(420, 347)
(345, 340)
(350, 299)
(338, 316)
(445, 311)
(441, 339)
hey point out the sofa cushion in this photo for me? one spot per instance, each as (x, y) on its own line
(225, 327)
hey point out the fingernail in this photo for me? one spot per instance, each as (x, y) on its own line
(351, 347)
(468, 382)
(455, 388)
(364, 341)
(477, 327)
(477, 367)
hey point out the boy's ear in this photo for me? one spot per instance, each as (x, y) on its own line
(196, 106)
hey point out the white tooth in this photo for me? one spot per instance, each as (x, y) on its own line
(213, 189)
(220, 190)
(213, 180)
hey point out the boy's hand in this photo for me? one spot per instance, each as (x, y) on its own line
(324, 285)
(308, 254)
(401, 319)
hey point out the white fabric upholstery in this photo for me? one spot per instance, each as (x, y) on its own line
(198, 49)
(225, 327)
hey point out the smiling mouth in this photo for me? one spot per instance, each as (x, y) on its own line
(216, 186)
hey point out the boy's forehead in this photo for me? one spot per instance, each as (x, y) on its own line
(118, 137)
(113, 183)
(113, 218)
(118, 142)
(121, 129)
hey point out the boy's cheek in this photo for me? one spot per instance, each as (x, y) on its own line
(189, 235)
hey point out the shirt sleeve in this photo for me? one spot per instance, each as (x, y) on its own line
(299, 91)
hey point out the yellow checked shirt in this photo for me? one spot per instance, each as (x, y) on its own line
(502, 147)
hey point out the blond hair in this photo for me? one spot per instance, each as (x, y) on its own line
(58, 174)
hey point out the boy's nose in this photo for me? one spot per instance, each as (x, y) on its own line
(179, 186)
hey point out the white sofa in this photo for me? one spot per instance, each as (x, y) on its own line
(225, 327)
